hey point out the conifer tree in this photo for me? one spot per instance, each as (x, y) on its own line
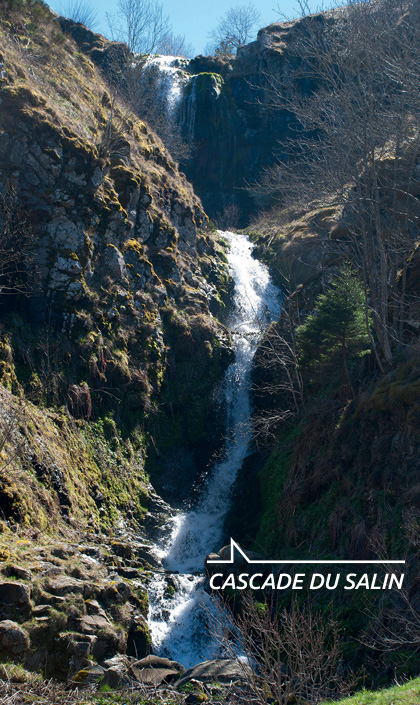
(337, 330)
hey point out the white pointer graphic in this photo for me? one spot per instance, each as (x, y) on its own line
(235, 547)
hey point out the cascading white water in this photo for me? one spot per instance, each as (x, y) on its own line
(171, 79)
(178, 622)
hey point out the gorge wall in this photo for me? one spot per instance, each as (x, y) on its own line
(110, 284)
(227, 111)
(113, 271)
(224, 109)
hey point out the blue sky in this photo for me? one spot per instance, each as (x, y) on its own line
(195, 19)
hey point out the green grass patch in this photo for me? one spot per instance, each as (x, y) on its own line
(407, 694)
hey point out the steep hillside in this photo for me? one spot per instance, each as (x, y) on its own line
(224, 112)
(116, 257)
(335, 472)
(109, 347)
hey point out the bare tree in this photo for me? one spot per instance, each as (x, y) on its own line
(175, 45)
(138, 83)
(80, 11)
(234, 29)
(353, 101)
(278, 372)
(16, 243)
(141, 24)
(295, 653)
(229, 217)
(304, 8)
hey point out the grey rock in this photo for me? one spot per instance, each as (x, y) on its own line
(119, 660)
(41, 610)
(129, 573)
(15, 571)
(154, 676)
(93, 607)
(13, 639)
(74, 291)
(115, 677)
(147, 556)
(31, 178)
(88, 676)
(64, 585)
(222, 670)
(14, 593)
(63, 551)
(97, 177)
(54, 600)
(89, 624)
(153, 661)
(66, 234)
(17, 153)
(114, 264)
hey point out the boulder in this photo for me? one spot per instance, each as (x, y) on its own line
(14, 593)
(64, 585)
(14, 640)
(54, 600)
(153, 661)
(128, 572)
(109, 642)
(63, 551)
(216, 670)
(115, 591)
(93, 607)
(123, 550)
(147, 557)
(154, 676)
(89, 624)
(139, 638)
(41, 610)
(118, 660)
(88, 676)
(15, 571)
(115, 677)
(66, 234)
(113, 263)
(74, 646)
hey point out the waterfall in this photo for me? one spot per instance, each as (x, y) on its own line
(169, 76)
(191, 111)
(178, 621)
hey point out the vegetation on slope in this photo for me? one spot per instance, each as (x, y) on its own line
(337, 414)
(407, 694)
(110, 280)
(117, 254)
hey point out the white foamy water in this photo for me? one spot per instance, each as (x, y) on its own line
(179, 624)
(171, 77)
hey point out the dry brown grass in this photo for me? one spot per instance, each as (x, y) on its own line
(40, 692)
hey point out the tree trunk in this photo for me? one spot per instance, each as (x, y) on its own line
(346, 370)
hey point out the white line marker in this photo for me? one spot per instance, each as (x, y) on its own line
(234, 546)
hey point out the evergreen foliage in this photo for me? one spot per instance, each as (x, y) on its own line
(338, 327)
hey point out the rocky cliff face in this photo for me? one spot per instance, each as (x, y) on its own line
(116, 261)
(228, 112)
(109, 279)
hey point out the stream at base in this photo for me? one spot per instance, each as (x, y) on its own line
(181, 610)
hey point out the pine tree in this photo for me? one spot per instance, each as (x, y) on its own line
(337, 329)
